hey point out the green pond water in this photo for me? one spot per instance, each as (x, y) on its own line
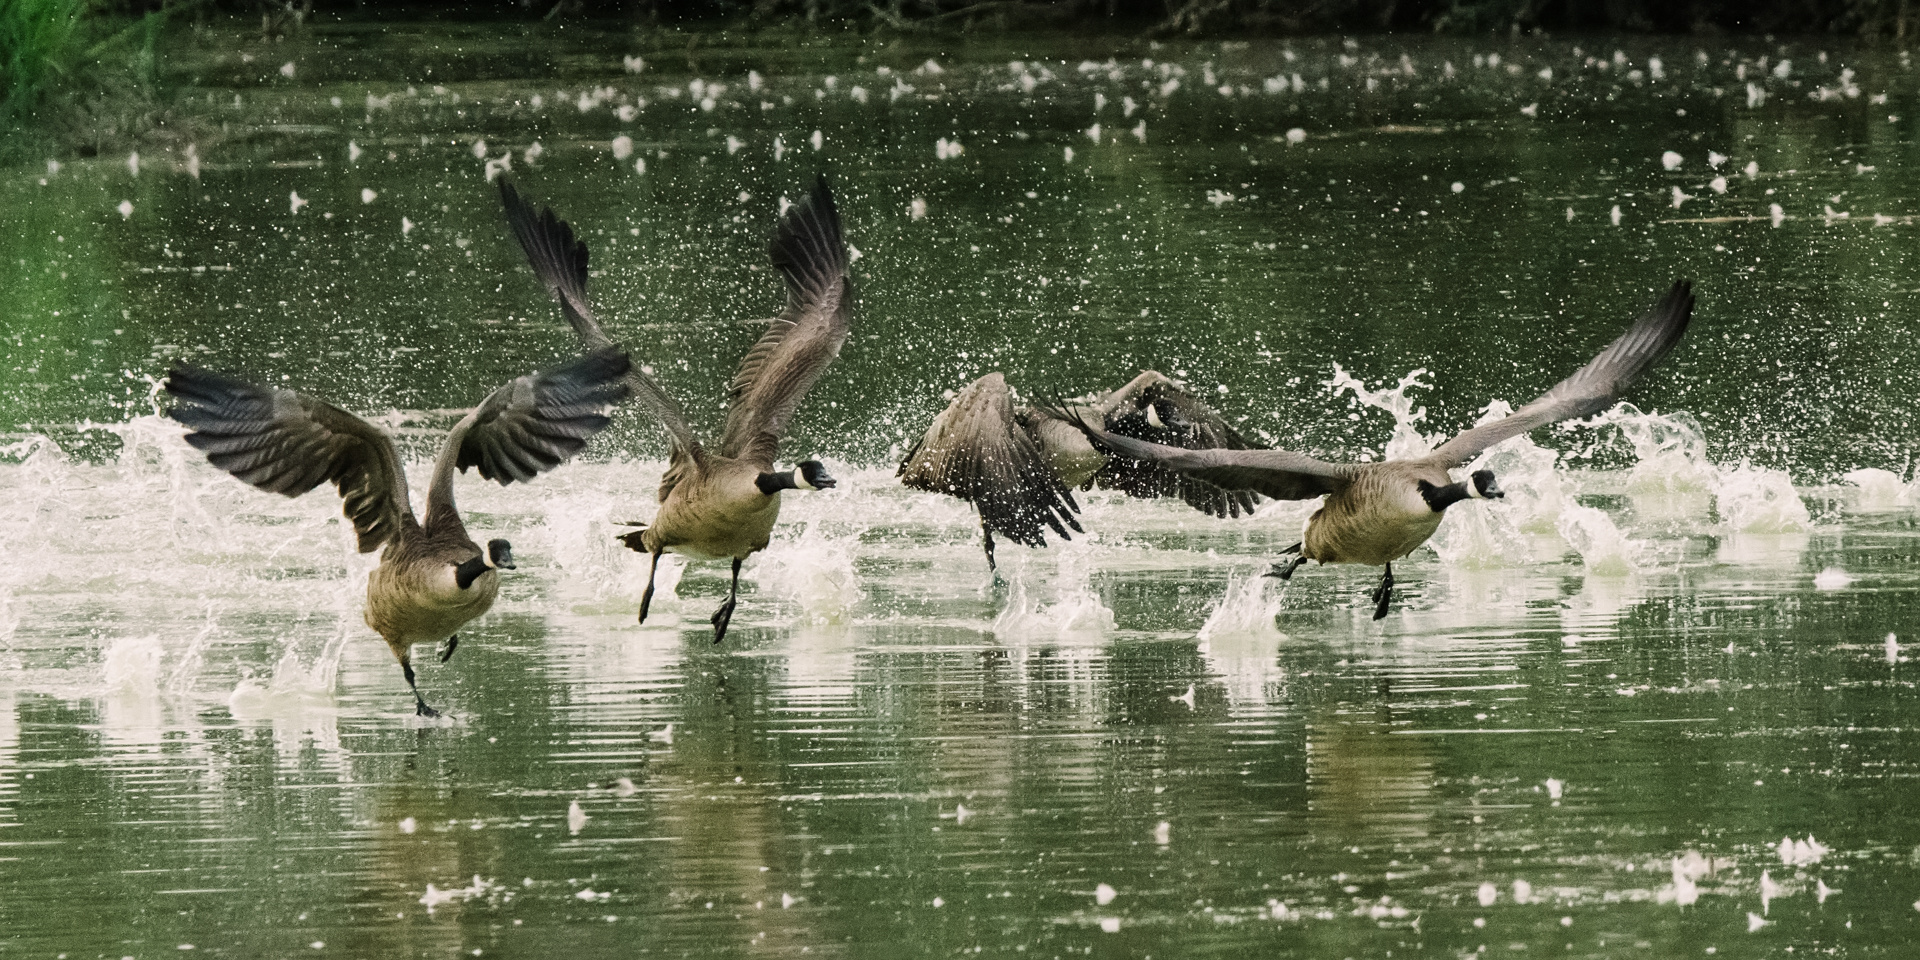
(1660, 702)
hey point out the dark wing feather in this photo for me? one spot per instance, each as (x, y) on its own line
(537, 422)
(811, 254)
(287, 443)
(976, 451)
(560, 261)
(1592, 388)
(1280, 474)
(1185, 422)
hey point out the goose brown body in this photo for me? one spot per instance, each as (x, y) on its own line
(414, 596)
(1378, 517)
(715, 512)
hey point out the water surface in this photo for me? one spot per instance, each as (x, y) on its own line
(1594, 716)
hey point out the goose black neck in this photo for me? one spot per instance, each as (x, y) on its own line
(1440, 498)
(465, 574)
(771, 483)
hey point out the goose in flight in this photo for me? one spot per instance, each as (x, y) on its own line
(1376, 513)
(1018, 465)
(720, 503)
(432, 578)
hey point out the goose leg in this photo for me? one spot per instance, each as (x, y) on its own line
(1284, 569)
(987, 533)
(724, 615)
(446, 652)
(1383, 594)
(420, 707)
(646, 596)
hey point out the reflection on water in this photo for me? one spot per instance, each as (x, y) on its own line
(1598, 707)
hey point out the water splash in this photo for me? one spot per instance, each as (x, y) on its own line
(1603, 548)
(1879, 490)
(1669, 450)
(296, 685)
(814, 570)
(1407, 440)
(1501, 534)
(1758, 500)
(1076, 611)
(132, 714)
(1248, 608)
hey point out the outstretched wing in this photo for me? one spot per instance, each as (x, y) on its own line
(811, 254)
(288, 443)
(560, 261)
(1592, 388)
(537, 422)
(1280, 474)
(976, 451)
(1166, 414)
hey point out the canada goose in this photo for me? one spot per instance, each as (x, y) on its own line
(432, 578)
(1018, 466)
(721, 504)
(1376, 513)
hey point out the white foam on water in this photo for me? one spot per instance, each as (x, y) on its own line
(132, 666)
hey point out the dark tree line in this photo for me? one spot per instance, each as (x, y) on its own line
(1891, 18)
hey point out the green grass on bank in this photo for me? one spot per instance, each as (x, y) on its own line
(39, 49)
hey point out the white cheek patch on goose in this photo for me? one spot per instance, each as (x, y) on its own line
(1473, 490)
(1153, 417)
(800, 480)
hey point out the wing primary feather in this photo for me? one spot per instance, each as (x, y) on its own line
(560, 259)
(810, 252)
(284, 442)
(1592, 388)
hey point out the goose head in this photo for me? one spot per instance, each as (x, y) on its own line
(1480, 485)
(500, 554)
(812, 475)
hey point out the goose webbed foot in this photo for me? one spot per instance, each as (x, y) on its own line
(724, 616)
(447, 648)
(1285, 568)
(1383, 594)
(420, 708)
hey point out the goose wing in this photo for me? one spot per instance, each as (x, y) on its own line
(1280, 474)
(810, 253)
(1592, 388)
(977, 451)
(539, 421)
(288, 443)
(560, 261)
(1166, 414)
